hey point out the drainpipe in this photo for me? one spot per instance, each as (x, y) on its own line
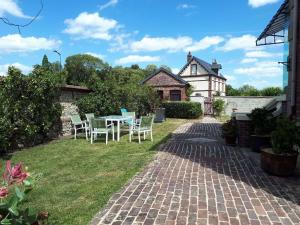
(294, 53)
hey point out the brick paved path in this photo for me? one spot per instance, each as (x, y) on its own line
(196, 179)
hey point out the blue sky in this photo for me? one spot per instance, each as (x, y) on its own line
(125, 32)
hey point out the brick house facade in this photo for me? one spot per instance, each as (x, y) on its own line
(168, 85)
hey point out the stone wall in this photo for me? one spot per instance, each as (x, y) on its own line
(69, 94)
(244, 104)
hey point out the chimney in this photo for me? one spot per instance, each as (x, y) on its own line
(189, 57)
(215, 66)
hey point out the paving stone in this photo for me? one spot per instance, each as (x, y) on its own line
(196, 182)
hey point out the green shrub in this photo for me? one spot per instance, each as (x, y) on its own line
(218, 106)
(261, 122)
(229, 129)
(109, 97)
(29, 109)
(284, 137)
(186, 110)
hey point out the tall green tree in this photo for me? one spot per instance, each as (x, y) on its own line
(81, 68)
(45, 62)
(150, 69)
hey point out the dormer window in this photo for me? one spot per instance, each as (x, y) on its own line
(194, 69)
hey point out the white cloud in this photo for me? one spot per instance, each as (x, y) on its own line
(249, 60)
(137, 59)
(245, 42)
(161, 43)
(12, 8)
(171, 44)
(25, 69)
(259, 3)
(261, 69)
(205, 43)
(100, 56)
(262, 54)
(90, 25)
(110, 3)
(175, 70)
(16, 43)
(185, 6)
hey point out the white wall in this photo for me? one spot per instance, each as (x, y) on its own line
(187, 70)
(244, 104)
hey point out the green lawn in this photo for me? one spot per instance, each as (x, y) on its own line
(78, 178)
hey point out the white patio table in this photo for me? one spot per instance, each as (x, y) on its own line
(118, 119)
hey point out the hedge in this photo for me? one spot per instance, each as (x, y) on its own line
(29, 109)
(185, 110)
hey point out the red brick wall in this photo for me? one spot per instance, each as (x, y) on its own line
(162, 79)
(165, 83)
(297, 105)
(167, 90)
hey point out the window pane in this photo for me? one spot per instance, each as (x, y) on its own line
(194, 69)
(175, 95)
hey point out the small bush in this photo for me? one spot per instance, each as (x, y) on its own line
(185, 110)
(218, 106)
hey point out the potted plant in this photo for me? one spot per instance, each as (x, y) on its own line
(262, 125)
(281, 158)
(229, 132)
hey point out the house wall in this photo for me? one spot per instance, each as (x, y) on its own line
(67, 99)
(187, 70)
(165, 83)
(166, 92)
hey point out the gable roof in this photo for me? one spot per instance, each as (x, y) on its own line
(161, 69)
(207, 66)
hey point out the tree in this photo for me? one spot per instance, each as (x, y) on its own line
(45, 62)
(135, 66)
(230, 91)
(248, 90)
(81, 68)
(166, 68)
(271, 91)
(150, 69)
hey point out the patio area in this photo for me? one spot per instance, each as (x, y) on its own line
(197, 180)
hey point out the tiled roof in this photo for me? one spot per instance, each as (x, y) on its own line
(207, 66)
(176, 77)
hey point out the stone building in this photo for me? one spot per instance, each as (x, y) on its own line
(168, 85)
(284, 28)
(205, 78)
(69, 94)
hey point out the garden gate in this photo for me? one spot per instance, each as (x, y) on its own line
(208, 106)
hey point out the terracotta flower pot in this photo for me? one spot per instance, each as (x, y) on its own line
(230, 140)
(278, 164)
(260, 141)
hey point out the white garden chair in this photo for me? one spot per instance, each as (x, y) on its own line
(144, 127)
(77, 123)
(99, 126)
(88, 117)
